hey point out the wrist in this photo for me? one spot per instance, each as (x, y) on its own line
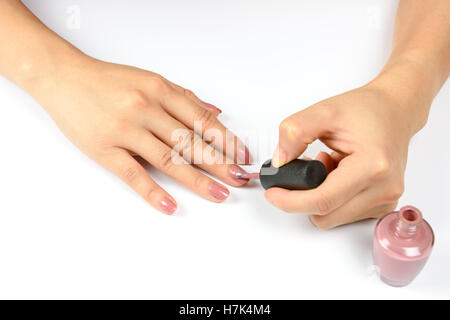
(410, 82)
(428, 67)
(47, 65)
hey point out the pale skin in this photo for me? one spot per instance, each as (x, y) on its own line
(369, 128)
(113, 112)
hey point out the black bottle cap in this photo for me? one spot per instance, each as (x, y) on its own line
(298, 174)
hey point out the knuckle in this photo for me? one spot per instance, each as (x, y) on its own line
(328, 111)
(190, 147)
(289, 125)
(166, 162)
(184, 141)
(189, 93)
(157, 83)
(186, 138)
(136, 99)
(206, 118)
(194, 152)
(196, 142)
(381, 167)
(130, 174)
(320, 223)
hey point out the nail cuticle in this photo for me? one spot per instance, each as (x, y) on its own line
(213, 107)
(238, 174)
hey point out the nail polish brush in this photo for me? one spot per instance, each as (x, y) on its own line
(299, 174)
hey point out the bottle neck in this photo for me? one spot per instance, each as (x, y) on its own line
(408, 223)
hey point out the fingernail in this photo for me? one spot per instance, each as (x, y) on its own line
(237, 173)
(279, 157)
(212, 107)
(218, 191)
(243, 154)
(306, 158)
(168, 206)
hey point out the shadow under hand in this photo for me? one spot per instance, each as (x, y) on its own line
(360, 236)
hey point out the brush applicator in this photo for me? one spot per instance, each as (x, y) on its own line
(299, 174)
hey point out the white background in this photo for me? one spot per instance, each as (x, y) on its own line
(70, 229)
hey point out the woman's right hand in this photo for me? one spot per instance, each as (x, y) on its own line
(112, 112)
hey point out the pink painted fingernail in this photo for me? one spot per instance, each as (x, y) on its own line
(238, 174)
(218, 191)
(212, 107)
(168, 206)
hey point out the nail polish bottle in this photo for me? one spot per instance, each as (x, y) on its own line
(402, 243)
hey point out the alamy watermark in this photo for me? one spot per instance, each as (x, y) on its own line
(213, 146)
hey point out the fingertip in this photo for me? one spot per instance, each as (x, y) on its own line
(279, 157)
(272, 194)
(283, 199)
(218, 192)
(321, 222)
(268, 197)
(335, 154)
(322, 155)
(311, 219)
(168, 205)
(326, 160)
(237, 173)
(239, 183)
(276, 163)
(213, 108)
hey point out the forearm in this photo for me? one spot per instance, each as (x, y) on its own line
(422, 36)
(29, 51)
(420, 60)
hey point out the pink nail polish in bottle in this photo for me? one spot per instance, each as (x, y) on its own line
(402, 243)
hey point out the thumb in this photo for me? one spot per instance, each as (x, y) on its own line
(299, 130)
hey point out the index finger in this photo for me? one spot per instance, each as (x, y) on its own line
(191, 95)
(204, 123)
